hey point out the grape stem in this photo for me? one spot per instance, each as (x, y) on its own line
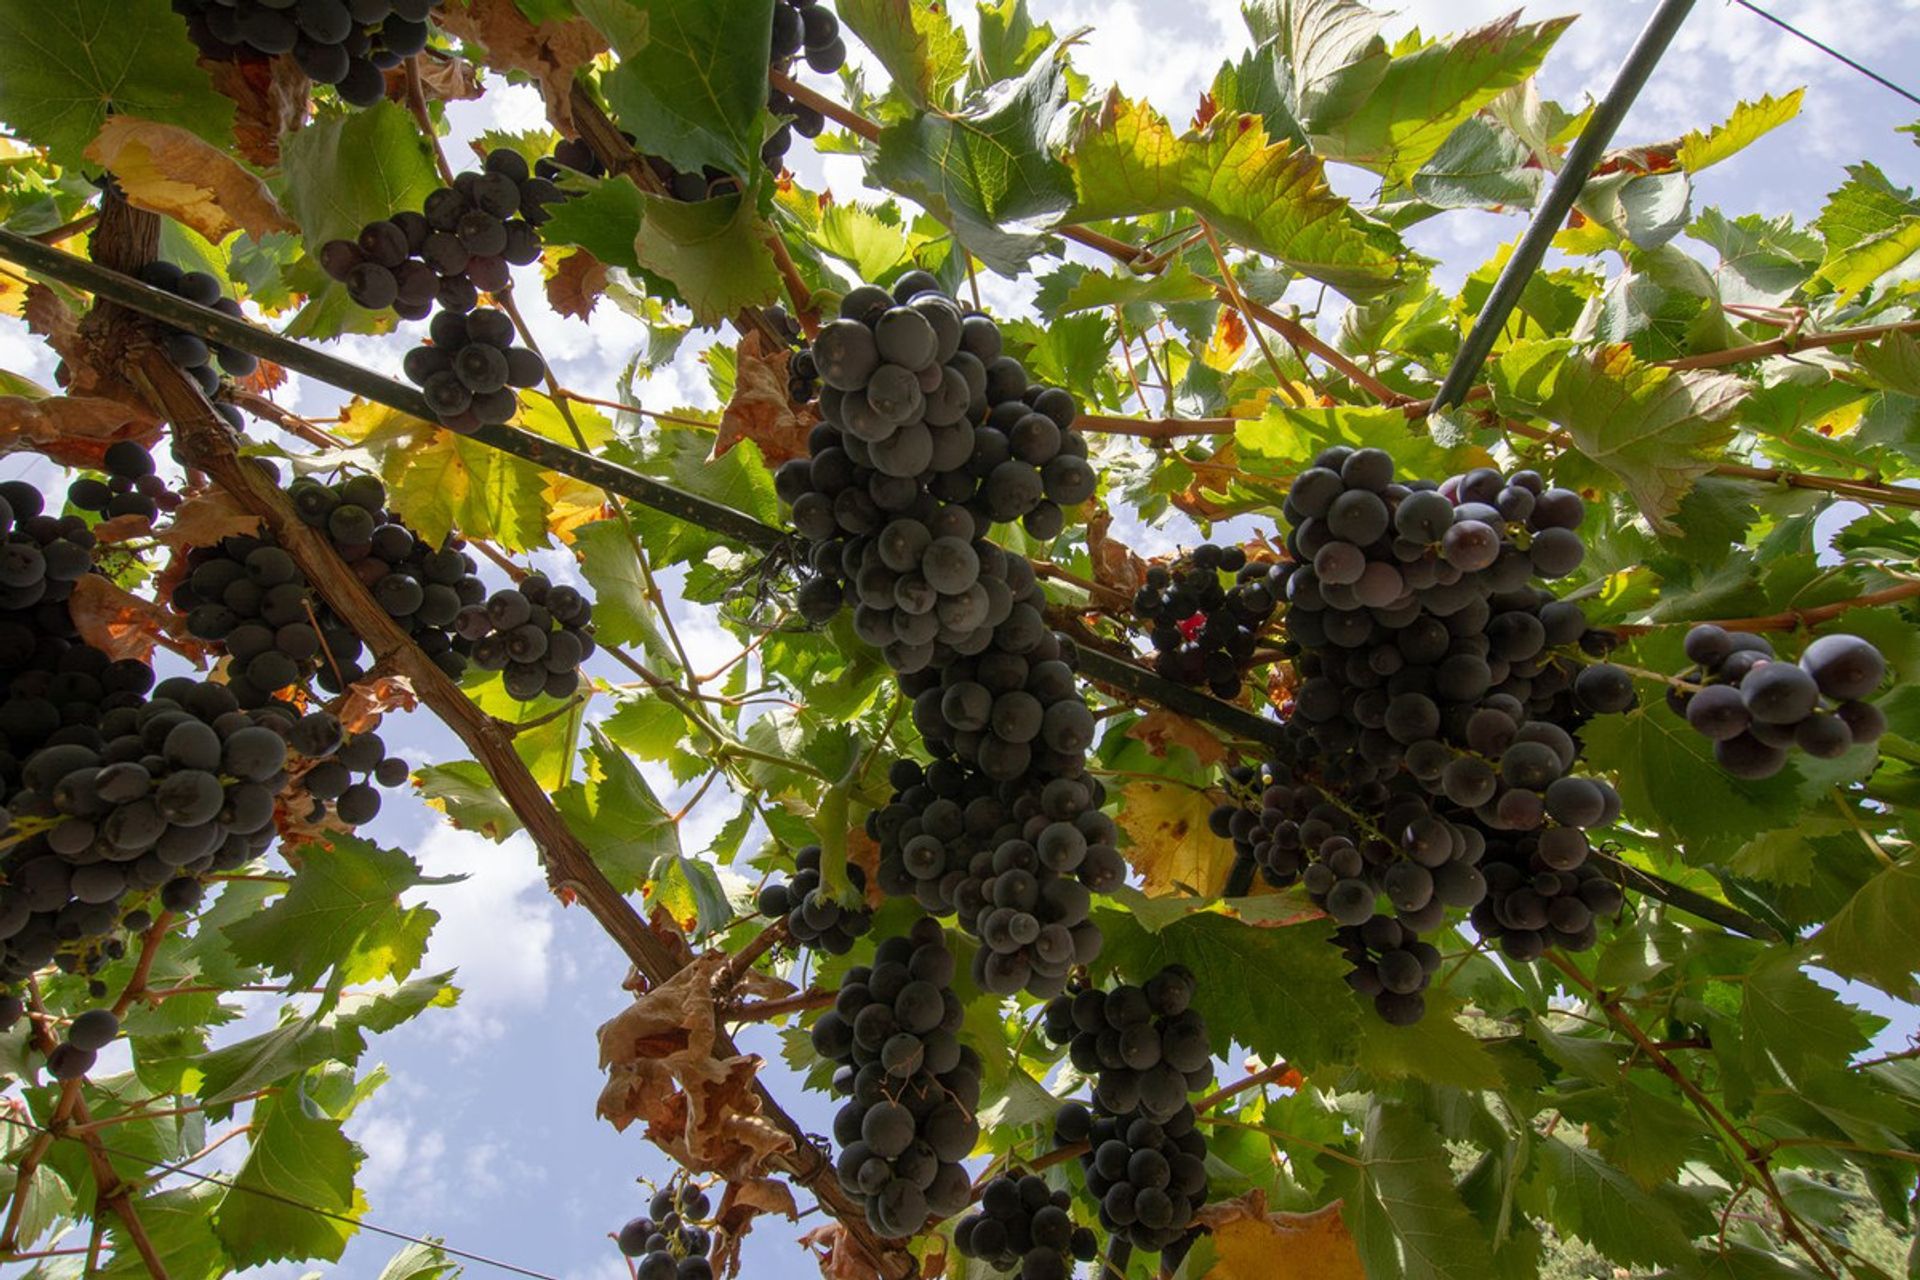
(1794, 619)
(767, 1010)
(1280, 379)
(417, 103)
(1256, 1080)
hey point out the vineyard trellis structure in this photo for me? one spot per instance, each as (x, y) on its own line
(204, 441)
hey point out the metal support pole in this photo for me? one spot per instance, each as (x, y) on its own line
(1567, 185)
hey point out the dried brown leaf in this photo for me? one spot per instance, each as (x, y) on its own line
(760, 410)
(123, 625)
(172, 172)
(266, 376)
(74, 431)
(1161, 729)
(442, 79)
(273, 96)
(367, 700)
(205, 518)
(122, 529)
(1114, 563)
(838, 1254)
(48, 316)
(576, 284)
(739, 1206)
(551, 51)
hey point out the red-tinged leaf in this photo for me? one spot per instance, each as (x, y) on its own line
(367, 700)
(1114, 563)
(551, 52)
(1251, 1244)
(577, 284)
(760, 410)
(266, 376)
(74, 431)
(442, 79)
(273, 97)
(122, 625)
(1161, 729)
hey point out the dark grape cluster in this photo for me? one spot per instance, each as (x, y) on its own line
(86, 1036)
(1017, 866)
(535, 634)
(1145, 1046)
(349, 44)
(1204, 632)
(1148, 1175)
(815, 919)
(132, 487)
(1756, 707)
(801, 29)
(463, 242)
(667, 1243)
(913, 1089)
(1432, 734)
(246, 594)
(1024, 1225)
(471, 370)
(194, 354)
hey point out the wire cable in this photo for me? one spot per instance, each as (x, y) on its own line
(1830, 51)
(181, 1169)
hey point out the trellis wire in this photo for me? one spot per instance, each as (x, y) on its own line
(1830, 51)
(1581, 157)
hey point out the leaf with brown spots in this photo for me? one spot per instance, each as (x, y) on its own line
(74, 431)
(205, 518)
(123, 625)
(169, 171)
(1169, 842)
(551, 52)
(273, 97)
(1161, 729)
(760, 410)
(576, 284)
(1114, 564)
(1251, 1244)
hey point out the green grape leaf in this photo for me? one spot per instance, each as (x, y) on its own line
(343, 171)
(342, 910)
(441, 482)
(622, 612)
(1267, 196)
(988, 170)
(178, 1222)
(1400, 1205)
(464, 791)
(1651, 1137)
(1482, 163)
(1763, 261)
(1871, 937)
(1792, 1025)
(604, 219)
(1311, 1019)
(544, 731)
(924, 53)
(65, 67)
(714, 252)
(419, 1261)
(1584, 1196)
(46, 1199)
(1285, 440)
(299, 1158)
(692, 78)
(1749, 122)
(618, 817)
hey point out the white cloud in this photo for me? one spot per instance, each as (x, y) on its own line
(496, 928)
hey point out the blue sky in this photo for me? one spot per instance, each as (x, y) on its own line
(485, 1133)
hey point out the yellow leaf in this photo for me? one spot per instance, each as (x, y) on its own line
(1749, 122)
(1170, 844)
(1251, 1244)
(165, 169)
(1228, 341)
(572, 503)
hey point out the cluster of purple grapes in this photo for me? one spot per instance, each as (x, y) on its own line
(668, 1242)
(191, 352)
(132, 487)
(349, 44)
(1431, 759)
(801, 29)
(1026, 1225)
(1756, 708)
(1204, 633)
(816, 919)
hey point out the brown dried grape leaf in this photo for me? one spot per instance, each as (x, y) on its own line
(48, 316)
(1161, 729)
(1114, 563)
(205, 518)
(74, 431)
(123, 625)
(739, 1206)
(702, 1110)
(266, 376)
(273, 97)
(169, 171)
(442, 79)
(760, 410)
(122, 529)
(367, 700)
(1251, 1244)
(838, 1254)
(1169, 842)
(576, 284)
(551, 52)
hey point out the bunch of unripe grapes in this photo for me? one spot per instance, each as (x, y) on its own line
(815, 919)
(1027, 1226)
(668, 1242)
(801, 28)
(194, 354)
(913, 1089)
(1017, 865)
(132, 486)
(349, 44)
(1149, 1176)
(1757, 708)
(1145, 1046)
(1204, 633)
(534, 633)
(246, 594)
(462, 243)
